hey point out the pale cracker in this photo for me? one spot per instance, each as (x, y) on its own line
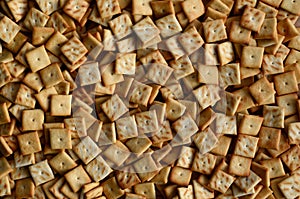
(246, 146)
(168, 26)
(262, 90)
(116, 153)
(146, 30)
(121, 26)
(185, 126)
(214, 31)
(60, 139)
(9, 29)
(291, 157)
(89, 74)
(60, 105)
(108, 9)
(211, 93)
(126, 64)
(186, 157)
(225, 52)
(74, 50)
(86, 150)
(174, 47)
(18, 9)
(114, 108)
(221, 181)
(182, 67)
(141, 7)
(107, 135)
(109, 76)
(127, 179)
(273, 116)
(204, 163)
(5, 75)
(191, 40)
(98, 169)
(186, 192)
(140, 93)
(205, 140)
(41, 172)
(229, 74)
(293, 135)
(252, 19)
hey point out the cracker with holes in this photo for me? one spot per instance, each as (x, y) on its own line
(126, 127)
(174, 109)
(272, 64)
(275, 167)
(60, 105)
(205, 140)
(229, 74)
(98, 169)
(37, 58)
(250, 125)
(89, 74)
(62, 163)
(60, 139)
(174, 47)
(116, 153)
(291, 158)
(41, 172)
(180, 176)
(25, 188)
(32, 120)
(126, 64)
(9, 29)
(77, 177)
(273, 116)
(186, 157)
(114, 108)
(252, 19)
(204, 163)
(211, 95)
(289, 185)
(214, 30)
(159, 73)
(249, 182)
(86, 150)
(262, 90)
(268, 30)
(185, 126)
(108, 8)
(293, 133)
(74, 50)
(182, 67)
(289, 103)
(77, 126)
(220, 181)
(225, 124)
(285, 83)
(191, 40)
(138, 145)
(76, 9)
(51, 75)
(146, 30)
(146, 121)
(238, 34)
(193, 9)
(225, 52)
(140, 93)
(246, 146)
(239, 165)
(121, 26)
(168, 26)
(35, 18)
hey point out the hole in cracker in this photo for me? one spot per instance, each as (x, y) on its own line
(240, 164)
(28, 142)
(77, 7)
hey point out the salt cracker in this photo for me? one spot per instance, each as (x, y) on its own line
(159, 73)
(140, 93)
(116, 153)
(201, 191)
(214, 31)
(261, 90)
(210, 91)
(185, 126)
(25, 188)
(204, 163)
(34, 81)
(229, 74)
(291, 6)
(262, 172)
(146, 121)
(252, 57)
(108, 9)
(18, 9)
(250, 125)
(285, 83)
(108, 134)
(239, 165)
(15, 68)
(273, 116)
(191, 40)
(35, 18)
(109, 77)
(168, 25)
(43, 97)
(121, 31)
(180, 176)
(5, 186)
(74, 50)
(252, 19)
(186, 192)
(141, 7)
(22, 52)
(32, 120)
(205, 140)
(138, 145)
(293, 129)
(225, 124)
(146, 30)
(289, 102)
(126, 127)
(41, 172)
(225, 53)
(25, 96)
(186, 157)
(9, 29)
(182, 67)
(55, 42)
(127, 179)
(29, 143)
(60, 105)
(268, 30)
(246, 146)
(76, 9)
(272, 64)
(126, 64)
(238, 34)
(291, 157)
(86, 150)
(146, 168)
(4, 118)
(41, 34)
(111, 188)
(77, 177)
(49, 7)
(174, 109)
(98, 169)
(62, 163)
(208, 74)
(89, 74)
(162, 8)
(174, 47)
(275, 167)
(127, 45)
(220, 181)
(193, 9)
(51, 75)
(5, 167)
(116, 105)
(60, 139)
(211, 54)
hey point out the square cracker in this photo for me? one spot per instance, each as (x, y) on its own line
(34, 81)
(204, 163)
(205, 140)
(9, 29)
(77, 177)
(208, 74)
(138, 145)
(48, 7)
(5, 188)
(168, 26)
(182, 67)
(55, 42)
(162, 8)
(186, 192)
(60, 105)
(252, 57)
(4, 114)
(116, 153)
(185, 126)
(29, 143)
(186, 157)
(51, 75)
(293, 133)
(76, 126)
(246, 146)
(261, 90)
(146, 121)
(252, 19)
(107, 135)
(32, 120)
(214, 30)
(273, 116)
(238, 34)
(62, 163)
(111, 188)
(289, 186)
(76, 9)
(249, 182)
(114, 107)
(272, 64)
(211, 95)
(146, 30)
(180, 176)
(37, 58)
(60, 139)
(239, 165)
(286, 83)
(225, 52)
(74, 50)
(193, 9)
(98, 169)
(225, 124)
(174, 47)
(291, 158)
(250, 125)
(220, 181)
(275, 167)
(158, 73)
(140, 93)
(229, 74)
(25, 96)
(121, 26)
(191, 40)
(25, 188)
(5, 75)
(35, 18)
(141, 7)
(86, 150)
(126, 64)
(41, 172)
(291, 6)
(126, 127)
(268, 30)
(108, 8)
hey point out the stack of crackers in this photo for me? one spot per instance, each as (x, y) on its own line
(136, 99)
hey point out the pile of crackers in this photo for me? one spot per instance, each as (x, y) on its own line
(136, 99)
